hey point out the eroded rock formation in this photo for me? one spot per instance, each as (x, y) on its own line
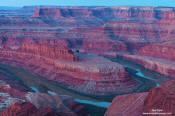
(74, 47)
(27, 109)
(36, 104)
(159, 100)
(147, 13)
(127, 105)
(91, 73)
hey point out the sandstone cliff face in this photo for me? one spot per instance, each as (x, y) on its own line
(135, 31)
(49, 51)
(157, 100)
(109, 46)
(164, 50)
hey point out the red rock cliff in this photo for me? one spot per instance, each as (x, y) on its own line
(50, 51)
(158, 100)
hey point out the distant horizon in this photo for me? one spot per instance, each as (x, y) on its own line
(151, 3)
(79, 6)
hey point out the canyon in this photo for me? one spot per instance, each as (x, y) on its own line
(92, 53)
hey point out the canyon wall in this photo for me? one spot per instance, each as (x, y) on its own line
(147, 13)
(90, 74)
(65, 44)
(80, 48)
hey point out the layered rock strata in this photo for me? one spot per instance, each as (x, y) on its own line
(158, 101)
(157, 57)
(50, 43)
(93, 74)
(148, 13)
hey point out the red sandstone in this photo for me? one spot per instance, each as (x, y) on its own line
(159, 98)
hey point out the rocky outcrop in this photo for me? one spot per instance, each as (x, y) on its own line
(14, 92)
(159, 100)
(127, 105)
(24, 103)
(27, 109)
(61, 104)
(47, 111)
(6, 100)
(37, 105)
(9, 95)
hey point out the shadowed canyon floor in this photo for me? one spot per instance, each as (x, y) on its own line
(78, 61)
